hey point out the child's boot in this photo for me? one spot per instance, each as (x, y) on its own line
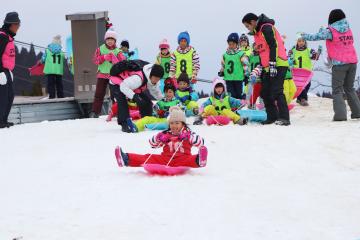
(121, 157)
(198, 121)
(202, 156)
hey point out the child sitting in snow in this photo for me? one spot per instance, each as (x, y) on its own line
(186, 95)
(162, 107)
(177, 142)
(220, 103)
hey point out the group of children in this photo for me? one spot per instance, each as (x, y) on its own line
(239, 68)
(275, 67)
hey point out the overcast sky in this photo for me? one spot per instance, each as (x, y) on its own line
(146, 23)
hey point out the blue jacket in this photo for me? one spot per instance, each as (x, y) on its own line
(325, 34)
(54, 48)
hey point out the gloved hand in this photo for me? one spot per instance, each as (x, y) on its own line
(163, 137)
(184, 135)
(220, 74)
(139, 101)
(131, 53)
(253, 78)
(256, 72)
(3, 78)
(272, 69)
(193, 80)
(161, 113)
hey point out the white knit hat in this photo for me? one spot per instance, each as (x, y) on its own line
(110, 34)
(176, 115)
(57, 40)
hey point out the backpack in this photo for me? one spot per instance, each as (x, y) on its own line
(127, 65)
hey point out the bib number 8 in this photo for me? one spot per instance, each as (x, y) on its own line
(167, 67)
(183, 66)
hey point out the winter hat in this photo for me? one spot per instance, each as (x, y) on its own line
(157, 71)
(164, 44)
(244, 38)
(176, 115)
(183, 77)
(12, 17)
(168, 87)
(57, 40)
(233, 37)
(184, 35)
(336, 15)
(110, 34)
(125, 43)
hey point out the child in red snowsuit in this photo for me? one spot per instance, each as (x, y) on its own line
(177, 142)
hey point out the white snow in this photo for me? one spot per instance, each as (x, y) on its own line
(59, 180)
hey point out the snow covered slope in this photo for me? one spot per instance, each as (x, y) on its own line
(59, 180)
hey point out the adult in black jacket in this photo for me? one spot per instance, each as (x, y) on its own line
(7, 64)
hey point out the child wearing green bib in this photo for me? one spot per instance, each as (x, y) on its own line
(245, 45)
(185, 59)
(163, 59)
(234, 67)
(220, 103)
(161, 108)
(54, 60)
(301, 57)
(105, 57)
(186, 95)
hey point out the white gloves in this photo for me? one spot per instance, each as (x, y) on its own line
(3, 78)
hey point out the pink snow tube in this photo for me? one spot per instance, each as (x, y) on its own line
(301, 78)
(217, 120)
(158, 169)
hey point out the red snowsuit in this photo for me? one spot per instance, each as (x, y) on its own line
(183, 156)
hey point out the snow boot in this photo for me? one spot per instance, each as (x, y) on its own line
(93, 115)
(132, 125)
(198, 121)
(282, 122)
(4, 125)
(201, 159)
(267, 122)
(121, 157)
(242, 121)
(125, 127)
(304, 103)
